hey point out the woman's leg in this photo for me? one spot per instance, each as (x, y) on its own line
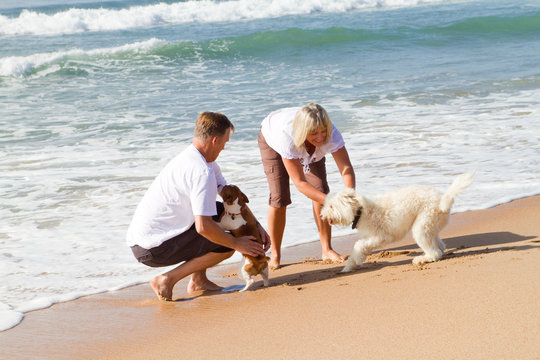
(280, 197)
(276, 227)
(325, 236)
(317, 178)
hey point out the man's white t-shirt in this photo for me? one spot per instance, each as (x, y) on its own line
(187, 186)
(278, 133)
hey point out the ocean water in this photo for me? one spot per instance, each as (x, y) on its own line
(97, 96)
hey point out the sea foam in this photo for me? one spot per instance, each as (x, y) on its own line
(9, 317)
(83, 20)
(19, 66)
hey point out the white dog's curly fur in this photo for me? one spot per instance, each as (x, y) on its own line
(388, 217)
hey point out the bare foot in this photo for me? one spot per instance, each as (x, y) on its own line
(333, 257)
(202, 284)
(160, 285)
(274, 264)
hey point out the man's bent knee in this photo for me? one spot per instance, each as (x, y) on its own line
(228, 254)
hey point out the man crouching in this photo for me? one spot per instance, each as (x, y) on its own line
(175, 221)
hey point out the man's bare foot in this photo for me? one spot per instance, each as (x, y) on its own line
(333, 257)
(274, 264)
(160, 285)
(201, 283)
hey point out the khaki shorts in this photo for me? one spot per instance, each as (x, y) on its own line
(278, 178)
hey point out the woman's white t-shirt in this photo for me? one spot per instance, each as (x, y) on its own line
(278, 133)
(187, 186)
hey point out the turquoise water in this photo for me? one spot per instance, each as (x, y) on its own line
(96, 96)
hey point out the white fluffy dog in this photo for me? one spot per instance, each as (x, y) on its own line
(388, 217)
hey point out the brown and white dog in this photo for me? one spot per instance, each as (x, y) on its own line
(240, 221)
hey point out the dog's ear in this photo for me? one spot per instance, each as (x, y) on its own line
(226, 194)
(244, 197)
(351, 197)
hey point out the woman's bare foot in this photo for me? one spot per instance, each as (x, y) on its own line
(333, 257)
(199, 282)
(161, 286)
(274, 264)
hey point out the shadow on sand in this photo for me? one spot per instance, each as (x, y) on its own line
(460, 246)
(457, 247)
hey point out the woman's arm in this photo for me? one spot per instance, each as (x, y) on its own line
(296, 173)
(345, 167)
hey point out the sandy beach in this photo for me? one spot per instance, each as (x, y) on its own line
(481, 301)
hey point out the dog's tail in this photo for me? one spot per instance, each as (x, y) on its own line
(459, 184)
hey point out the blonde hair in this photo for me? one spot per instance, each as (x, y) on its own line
(211, 124)
(310, 118)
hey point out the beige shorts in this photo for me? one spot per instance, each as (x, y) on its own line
(278, 178)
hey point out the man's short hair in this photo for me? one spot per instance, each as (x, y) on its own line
(211, 124)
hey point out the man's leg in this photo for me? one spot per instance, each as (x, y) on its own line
(163, 284)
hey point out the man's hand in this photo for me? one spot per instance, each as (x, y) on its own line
(264, 237)
(248, 245)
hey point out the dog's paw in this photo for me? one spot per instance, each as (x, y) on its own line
(249, 282)
(347, 269)
(424, 259)
(248, 285)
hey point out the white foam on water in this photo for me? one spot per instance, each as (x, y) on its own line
(9, 317)
(19, 66)
(83, 20)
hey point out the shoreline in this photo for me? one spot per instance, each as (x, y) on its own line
(481, 297)
(18, 312)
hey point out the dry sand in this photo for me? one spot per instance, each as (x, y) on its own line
(481, 301)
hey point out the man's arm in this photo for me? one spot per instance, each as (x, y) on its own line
(208, 228)
(262, 232)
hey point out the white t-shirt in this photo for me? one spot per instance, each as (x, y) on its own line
(277, 131)
(187, 186)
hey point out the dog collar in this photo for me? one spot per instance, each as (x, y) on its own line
(232, 215)
(356, 217)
